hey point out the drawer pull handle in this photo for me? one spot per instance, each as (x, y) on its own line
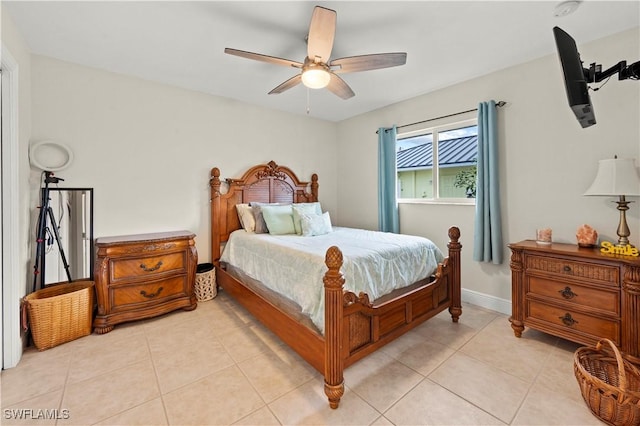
(568, 320)
(153, 268)
(150, 295)
(566, 268)
(567, 293)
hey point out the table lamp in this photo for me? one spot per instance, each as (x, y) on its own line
(617, 177)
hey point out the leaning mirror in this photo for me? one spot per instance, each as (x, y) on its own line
(72, 217)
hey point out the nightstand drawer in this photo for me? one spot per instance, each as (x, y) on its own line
(597, 273)
(147, 292)
(570, 321)
(602, 300)
(122, 269)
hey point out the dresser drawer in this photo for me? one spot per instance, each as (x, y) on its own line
(149, 292)
(596, 273)
(588, 297)
(570, 321)
(128, 268)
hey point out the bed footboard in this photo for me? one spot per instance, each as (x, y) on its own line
(355, 327)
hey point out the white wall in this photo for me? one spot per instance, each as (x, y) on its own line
(18, 207)
(147, 149)
(547, 160)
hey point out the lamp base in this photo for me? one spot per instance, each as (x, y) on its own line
(623, 228)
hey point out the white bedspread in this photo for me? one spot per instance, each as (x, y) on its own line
(374, 262)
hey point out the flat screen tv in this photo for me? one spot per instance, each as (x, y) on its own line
(575, 79)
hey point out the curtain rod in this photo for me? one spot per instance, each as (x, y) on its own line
(498, 104)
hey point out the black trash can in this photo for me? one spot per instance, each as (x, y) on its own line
(205, 287)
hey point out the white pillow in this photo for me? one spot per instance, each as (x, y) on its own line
(315, 224)
(245, 214)
(304, 208)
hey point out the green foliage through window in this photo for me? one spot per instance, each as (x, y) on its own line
(467, 179)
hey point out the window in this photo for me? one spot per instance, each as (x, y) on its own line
(438, 163)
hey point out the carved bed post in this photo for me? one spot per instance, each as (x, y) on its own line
(333, 312)
(214, 183)
(454, 258)
(314, 186)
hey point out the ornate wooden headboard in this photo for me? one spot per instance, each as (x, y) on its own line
(266, 183)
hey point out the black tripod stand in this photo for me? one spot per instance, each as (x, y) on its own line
(46, 212)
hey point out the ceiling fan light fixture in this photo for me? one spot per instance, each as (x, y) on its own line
(315, 77)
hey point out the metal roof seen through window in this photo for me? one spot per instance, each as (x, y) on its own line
(451, 152)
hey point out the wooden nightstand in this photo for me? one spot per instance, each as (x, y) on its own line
(142, 276)
(576, 293)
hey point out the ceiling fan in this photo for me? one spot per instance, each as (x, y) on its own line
(317, 71)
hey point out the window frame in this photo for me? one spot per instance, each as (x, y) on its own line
(435, 131)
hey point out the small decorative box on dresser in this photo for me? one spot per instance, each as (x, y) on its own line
(576, 293)
(141, 276)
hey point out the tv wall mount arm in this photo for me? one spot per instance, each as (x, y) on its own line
(594, 73)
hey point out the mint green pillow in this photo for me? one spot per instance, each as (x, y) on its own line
(304, 208)
(279, 219)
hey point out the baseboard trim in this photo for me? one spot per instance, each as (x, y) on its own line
(487, 301)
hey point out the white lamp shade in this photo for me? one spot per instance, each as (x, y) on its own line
(315, 78)
(617, 176)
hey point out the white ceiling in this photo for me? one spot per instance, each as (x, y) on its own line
(181, 43)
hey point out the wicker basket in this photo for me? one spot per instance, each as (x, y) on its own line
(610, 384)
(60, 313)
(205, 287)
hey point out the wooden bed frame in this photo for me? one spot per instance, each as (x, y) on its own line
(354, 325)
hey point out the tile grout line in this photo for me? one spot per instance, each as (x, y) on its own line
(64, 385)
(155, 373)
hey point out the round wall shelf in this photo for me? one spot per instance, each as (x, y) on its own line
(50, 155)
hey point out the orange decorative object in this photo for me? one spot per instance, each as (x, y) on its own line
(587, 236)
(543, 236)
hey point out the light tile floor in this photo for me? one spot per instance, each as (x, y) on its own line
(217, 365)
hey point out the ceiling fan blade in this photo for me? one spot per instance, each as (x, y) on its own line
(339, 87)
(368, 62)
(293, 81)
(321, 33)
(263, 58)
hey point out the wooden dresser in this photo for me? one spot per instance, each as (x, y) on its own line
(141, 276)
(576, 293)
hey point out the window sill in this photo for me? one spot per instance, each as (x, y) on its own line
(448, 202)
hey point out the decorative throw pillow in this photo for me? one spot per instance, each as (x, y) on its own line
(304, 208)
(315, 224)
(279, 219)
(256, 207)
(245, 214)
(261, 226)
